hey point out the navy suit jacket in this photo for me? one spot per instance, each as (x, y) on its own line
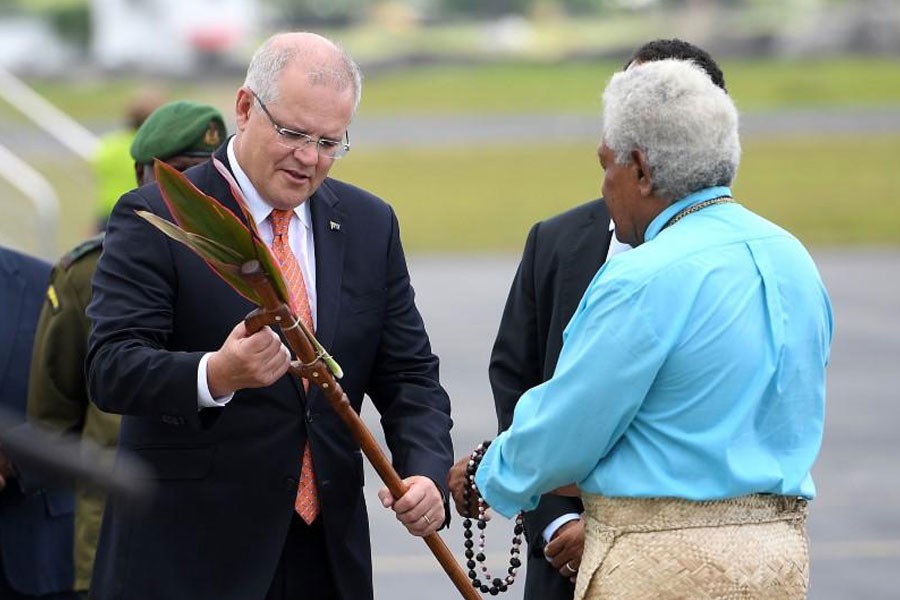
(561, 257)
(36, 526)
(227, 477)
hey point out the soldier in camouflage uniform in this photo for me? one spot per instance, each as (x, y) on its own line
(182, 134)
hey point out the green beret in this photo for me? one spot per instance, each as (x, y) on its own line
(181, 128)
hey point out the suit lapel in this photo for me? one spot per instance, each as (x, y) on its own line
(329, 234)
(12, 297)
(586, 257)
(217, 187)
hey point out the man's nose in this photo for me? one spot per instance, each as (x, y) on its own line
(308, 153)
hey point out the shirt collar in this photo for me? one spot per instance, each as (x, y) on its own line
(258, 207)
(673, 209)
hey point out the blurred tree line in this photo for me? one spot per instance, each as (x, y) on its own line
(71, 18)
(338, 12)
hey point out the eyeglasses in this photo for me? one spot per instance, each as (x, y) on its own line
(297, 140)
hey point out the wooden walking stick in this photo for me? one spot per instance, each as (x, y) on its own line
(237, 254)
(312, 367)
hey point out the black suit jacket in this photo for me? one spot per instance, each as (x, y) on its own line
(227, 477)
(36, 525)
(561, 256)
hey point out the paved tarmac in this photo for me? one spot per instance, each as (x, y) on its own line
(855, 521)
(429, 130)
(379, 132)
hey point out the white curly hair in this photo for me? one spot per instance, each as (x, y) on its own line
(683, 122)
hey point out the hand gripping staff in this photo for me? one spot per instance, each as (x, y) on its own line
(239, 256)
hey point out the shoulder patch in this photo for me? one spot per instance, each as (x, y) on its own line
(81, 250)
(53, 298)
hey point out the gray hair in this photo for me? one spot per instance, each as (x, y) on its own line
(273, 56)
(686, 126)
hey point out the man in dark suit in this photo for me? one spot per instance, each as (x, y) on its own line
(212, 409)
(182, 134)
(562, 254)
(35, 524)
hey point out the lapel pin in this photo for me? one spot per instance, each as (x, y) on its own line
(334, 226)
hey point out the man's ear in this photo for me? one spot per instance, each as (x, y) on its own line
(644, 172)
(242, 105)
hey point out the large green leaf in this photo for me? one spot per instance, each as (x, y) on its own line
(196, 212)
(199, 213)
(225, 262)
(263, 253)
(219, 237)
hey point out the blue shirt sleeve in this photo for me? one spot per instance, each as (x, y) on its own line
(562, 428)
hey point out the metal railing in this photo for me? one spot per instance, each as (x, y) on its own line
(34, 186)
(72, 134)
(38, 190)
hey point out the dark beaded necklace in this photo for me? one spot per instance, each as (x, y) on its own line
(699, 206)
(485, 582)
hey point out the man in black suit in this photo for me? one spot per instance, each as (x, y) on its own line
(36, 525)
(212, 409)
(562, 254)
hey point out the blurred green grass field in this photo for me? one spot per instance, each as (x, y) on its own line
(826, 190)
(522, 88)
(833, 190)
(577, 87)
(485, 198)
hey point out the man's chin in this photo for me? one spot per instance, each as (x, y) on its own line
(292, 198)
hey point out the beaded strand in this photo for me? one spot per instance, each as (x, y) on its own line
(487, 585)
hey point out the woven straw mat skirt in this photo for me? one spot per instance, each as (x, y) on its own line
(668, 549)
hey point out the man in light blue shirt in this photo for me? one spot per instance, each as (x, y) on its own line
(693, 368)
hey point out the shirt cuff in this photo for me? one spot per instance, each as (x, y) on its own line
(556, 523)
(487, 479)
(204, 396)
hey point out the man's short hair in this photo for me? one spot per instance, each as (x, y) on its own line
(679, 49)
(274, 55)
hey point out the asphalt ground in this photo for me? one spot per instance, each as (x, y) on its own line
(854, 523)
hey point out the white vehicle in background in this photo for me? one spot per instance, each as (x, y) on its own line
(171, 36)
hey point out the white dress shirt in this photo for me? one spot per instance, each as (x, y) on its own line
(615, 246)
(300, 238)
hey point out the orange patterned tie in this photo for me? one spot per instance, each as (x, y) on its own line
(307, 501)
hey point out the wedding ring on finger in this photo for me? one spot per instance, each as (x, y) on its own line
(427, 520)
(570, 568)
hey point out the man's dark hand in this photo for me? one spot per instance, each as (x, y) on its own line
(565, 549)
(456, 481)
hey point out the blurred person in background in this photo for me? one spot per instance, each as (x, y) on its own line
(35, 521)
(562, 254)
(687, 403)
(259, 483)
(182, 134)
(110, 163)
